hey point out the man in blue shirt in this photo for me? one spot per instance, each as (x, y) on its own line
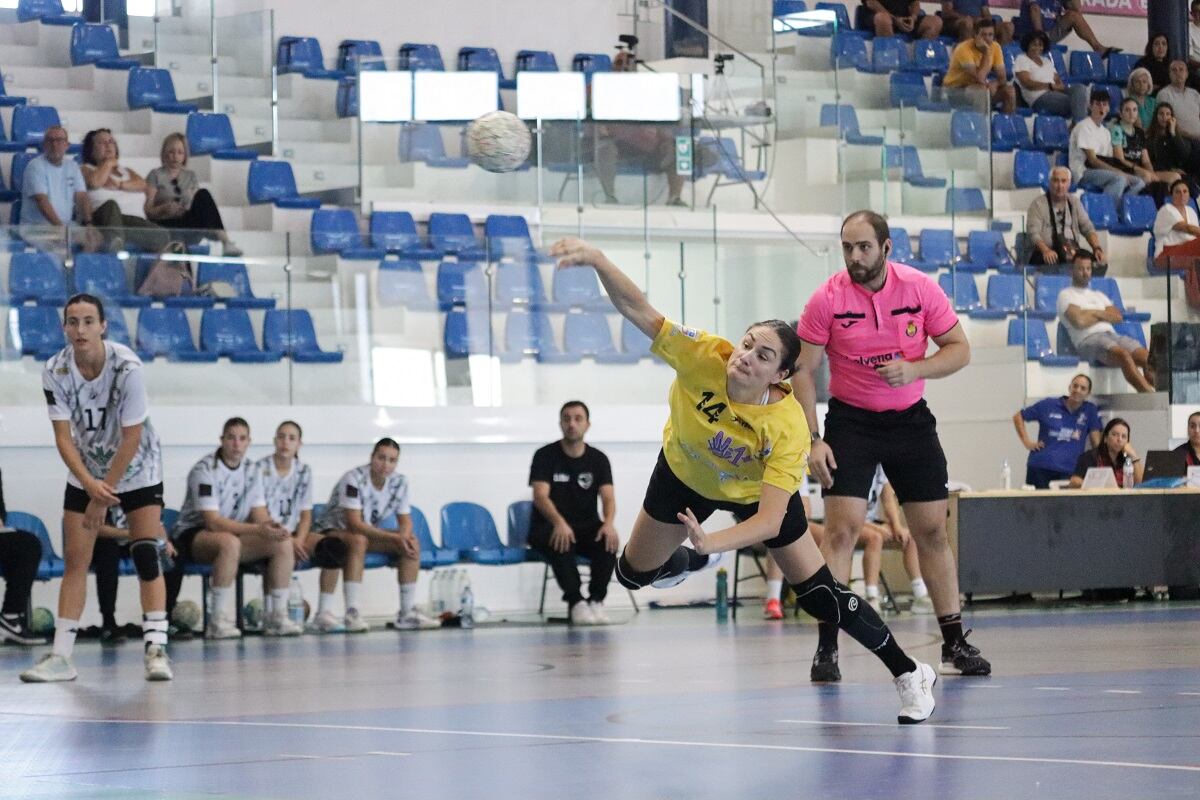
(1066, 427)
(1058, 18)
(960, 16)
(53, 190)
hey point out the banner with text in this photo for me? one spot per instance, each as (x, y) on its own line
(1112, 8)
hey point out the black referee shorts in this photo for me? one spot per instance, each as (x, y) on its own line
(667, 496)
(905, 443)
(76, 499)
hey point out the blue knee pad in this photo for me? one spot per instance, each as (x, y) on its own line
(144, 553)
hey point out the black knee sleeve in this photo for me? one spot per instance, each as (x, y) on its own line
(627, 577)
(833, 602)
(144, 554)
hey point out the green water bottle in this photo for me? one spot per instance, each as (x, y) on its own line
(722, 595)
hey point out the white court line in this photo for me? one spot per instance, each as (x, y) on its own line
(1122, 691)
(890, 725)
(624, 740)
(315, 758)
(1190, 694)
(386, 753)
(981, 686)
(1052, 688)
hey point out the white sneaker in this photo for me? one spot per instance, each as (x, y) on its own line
(221, 627)
(916, 694)
(922, 605)
(675, 580)
(279, 624)
(416, 621)
(50, 669)
(158, 666)
(581, 614)
(327, 622)
(354, 622)
(598, 615)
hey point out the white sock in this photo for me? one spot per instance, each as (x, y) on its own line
(278, 601)
(408, 597)
(918, 587)
(774, 589)
(154, 628)
(220, 598)
(64, 636)
(351, 588)
(325, 602)
(872, 591)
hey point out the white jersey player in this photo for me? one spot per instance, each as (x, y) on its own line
(97, 403)
(288, 491)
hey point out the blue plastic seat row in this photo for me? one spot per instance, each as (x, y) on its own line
(29, 124)
(96, 44)
(1005, 294)
(273, 182)
(529, 334)
(153, 88)
(47, 12)
(517, 283)
(212, 135)
(1136, 215)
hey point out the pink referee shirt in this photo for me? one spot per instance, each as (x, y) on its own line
(860, 329)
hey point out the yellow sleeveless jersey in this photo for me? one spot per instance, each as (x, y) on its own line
(720, 449)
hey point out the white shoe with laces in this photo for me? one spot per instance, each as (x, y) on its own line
(326, 622)
(50, 669)
(221, 627)
(916, 694)
(416, 621)
(279, 624)
(158, 666)
(598, 615)
(581, 614)
(354, 622)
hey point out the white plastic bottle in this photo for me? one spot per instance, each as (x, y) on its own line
(1127, 473)
(466, 608)
(295, 605)
(1006, 475)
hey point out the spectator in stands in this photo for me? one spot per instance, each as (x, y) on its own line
(1177, 230)
(1168, 148)
(224, 522)
(1041, 85)
(1184, 100)
(971, 63)
(118, 196)
(651, 147)
(897, 17)
(1190, 450)
(1058, 224)
(1140, 89)
(20, 552)
(959, 17)
(1088, 315)
(1156, 60)
(1058, 19)
(1091, 154)
(1193, 59)
(174, 198)
(1131, 154)
(1112, 452)
(1066, 427)
(568, 477)
(53, 191)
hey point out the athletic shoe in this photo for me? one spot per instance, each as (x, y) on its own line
(281, 625)
(922, 605)
(581, 614)
(354, 622)
(326, 622)
(825, 666)
(14, 630)
(416, 621)
(179, 633)
(962, 658)
(50, 669)
(598, 615)
(773, 609)
(221, 627)
(675, 580)
(158, 666)
(111, 637)
(916, 694)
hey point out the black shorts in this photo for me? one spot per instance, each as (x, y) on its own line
(905, 443)
(183, 544)
(667, 496)
(76, 499)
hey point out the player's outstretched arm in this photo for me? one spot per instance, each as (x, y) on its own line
(623, 292)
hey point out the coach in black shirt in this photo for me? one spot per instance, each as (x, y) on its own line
(567, 476)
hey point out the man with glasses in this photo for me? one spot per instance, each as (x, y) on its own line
(53, 190)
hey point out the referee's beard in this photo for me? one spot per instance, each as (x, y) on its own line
(863, 275)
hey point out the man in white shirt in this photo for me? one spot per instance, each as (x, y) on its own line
(1088, 314)
(1184, 101)
(1091, 145)
(1194, 38)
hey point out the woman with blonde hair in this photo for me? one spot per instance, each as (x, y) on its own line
(174, 198)
(1140, 89)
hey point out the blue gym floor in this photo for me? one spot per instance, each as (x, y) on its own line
(1084, 703)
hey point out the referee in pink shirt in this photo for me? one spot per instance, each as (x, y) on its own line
(874, 321)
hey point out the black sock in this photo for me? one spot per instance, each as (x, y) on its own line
(109, 620)
(827, 635)
(951, 625)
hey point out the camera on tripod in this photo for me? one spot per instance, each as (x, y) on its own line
(719, 62)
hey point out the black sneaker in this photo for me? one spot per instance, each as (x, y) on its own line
(825, 666)
(176, 633)
(111, 636)
(12, 629)
(962, 658)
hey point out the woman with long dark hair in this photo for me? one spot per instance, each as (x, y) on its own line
(1113, 452)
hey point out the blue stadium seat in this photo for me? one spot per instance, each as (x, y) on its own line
(461, 283)
(1045, 295)
(905, 158)
(422, 141)
(346, 99)
(846, 120)
(39, 331)
(1051, 132)
(938, 249)
(1136, 216)
(97, 45)
(355, 55)
(1009, 132)
(415, 56)
(302, 55)
(9, 195)
(968, 129)
(535, 61)
(7, 99)
(520, 518)
(888, 54)
(1031, 170)
(1100, 208)
(468, 332)
(848, 50)
(103, 275)
(575, 287)
(842, 25)
(227, 332)
(403, 283)
(17, 170)
(908, 89)
(591, 63)
(1006, 293)
(165, 332)
(454, 233)
(1011, 51)
(987, 250)
(37, 278)
(930, 57)
(483, 59)
(633, 341)
(529, 333)
(723, 160)
(29, 124)
(273, 182)
(118, 329)
(1032, 334)
(1065, 348)
(587, 334)
(396, 232)
(335, 230)
(470, 529)
(292, 333)
(519, 282)
(236, 276)
(961, 289)
(1086, 67)
(50, 565)
(1112, 290)
(47, 12)
(1131, 329)
(965, 201)
(901, 245)
(1119, 67)
(212, 135)
(431, 555)
(507, 236)
(153, 88)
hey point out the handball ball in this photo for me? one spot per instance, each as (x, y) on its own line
(498, 141)
(187, 614)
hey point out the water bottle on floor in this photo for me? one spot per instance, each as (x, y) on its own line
(295, 605)
(722, 595)
(466, 610)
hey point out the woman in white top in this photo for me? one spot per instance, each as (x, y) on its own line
(1042, 87)
(1176, 229)
(118, 196)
